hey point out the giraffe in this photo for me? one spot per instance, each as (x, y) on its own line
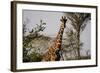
(53, 53)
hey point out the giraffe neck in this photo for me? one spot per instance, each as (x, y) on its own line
(59, 37)
(60, 33)
(54, 52)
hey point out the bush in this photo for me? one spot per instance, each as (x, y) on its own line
(35, 57)
(26, 59)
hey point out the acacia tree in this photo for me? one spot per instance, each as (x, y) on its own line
(71, 43)
(77, 21)
(33, 33)
(71, 39)
(27, 39)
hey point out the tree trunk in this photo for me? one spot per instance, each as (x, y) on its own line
(78, 44)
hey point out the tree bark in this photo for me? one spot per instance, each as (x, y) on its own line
(78, 44)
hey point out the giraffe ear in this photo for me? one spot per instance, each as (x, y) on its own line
(62, 17)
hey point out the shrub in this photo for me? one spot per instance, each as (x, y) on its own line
(35, 57)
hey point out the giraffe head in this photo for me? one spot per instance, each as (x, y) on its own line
(63, 20)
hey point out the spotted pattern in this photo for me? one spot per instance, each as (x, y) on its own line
(53, 53)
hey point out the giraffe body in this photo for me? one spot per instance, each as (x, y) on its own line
(53, 53)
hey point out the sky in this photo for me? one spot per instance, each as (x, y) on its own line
(52, 20)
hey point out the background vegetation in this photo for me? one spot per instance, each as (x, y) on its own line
(36, 44)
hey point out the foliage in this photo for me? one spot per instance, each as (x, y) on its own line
(71, 39)
(34, 57)
(33, 33)
(25, 57)
(77, 21)
(71, 43)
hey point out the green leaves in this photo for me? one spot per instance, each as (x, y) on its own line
(33, 33)
(78, 19)
(34, 57)
(77, 22)
(38, 28)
